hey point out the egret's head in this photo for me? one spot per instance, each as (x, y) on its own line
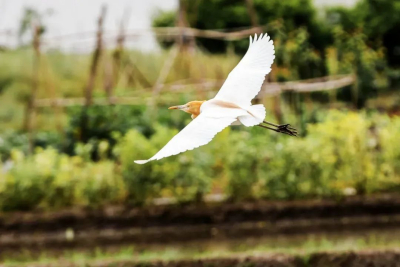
(192, 107)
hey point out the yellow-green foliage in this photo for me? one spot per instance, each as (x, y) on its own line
(348, 153)
(51, 180)
(182, 177)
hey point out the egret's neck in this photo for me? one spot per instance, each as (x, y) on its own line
(195, 108)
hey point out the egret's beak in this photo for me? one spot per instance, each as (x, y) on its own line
(178, 107)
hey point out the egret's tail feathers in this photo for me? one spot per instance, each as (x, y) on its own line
(141, 161)
(256, 115)
(258, 111)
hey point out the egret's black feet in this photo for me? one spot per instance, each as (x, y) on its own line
(285, 128)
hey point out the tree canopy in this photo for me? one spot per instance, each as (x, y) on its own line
(377, 19)
(233, 14)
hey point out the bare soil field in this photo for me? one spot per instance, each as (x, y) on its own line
(205, 227)
(174, 223)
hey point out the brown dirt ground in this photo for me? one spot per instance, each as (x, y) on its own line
(173, 223)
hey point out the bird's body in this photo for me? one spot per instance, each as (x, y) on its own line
(231, 106)
(247, 115)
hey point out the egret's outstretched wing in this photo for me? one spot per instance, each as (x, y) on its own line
(197, 133)
(245, 80)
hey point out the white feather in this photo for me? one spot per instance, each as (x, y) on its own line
(232, 102)
(198, 132)
(245, 80)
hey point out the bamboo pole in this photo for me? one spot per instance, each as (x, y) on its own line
(108, 79)
(175, 50)
(165, 71)
(49, 84)
(88, 90)
(268, 89)
(118, 54)
(129, 65)
(30, 115)
(185, 41)
(226, 34)
(140, 76)
(95, 59)
(253, 16)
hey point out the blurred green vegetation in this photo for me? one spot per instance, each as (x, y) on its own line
(377, 19)
(309, 44)
(233, 14)
(349, 153)
(65, 75)
(85, 156)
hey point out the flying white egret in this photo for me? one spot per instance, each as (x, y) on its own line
(232, 104)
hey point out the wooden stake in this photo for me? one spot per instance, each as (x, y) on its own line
(133, 70)
(30, 115)
(165, 70)
(108, 79)
(95, 59)
(253, 15)
(118, 55)
(88, 91)
(49, 83)
(184, 41)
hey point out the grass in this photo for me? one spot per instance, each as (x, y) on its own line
(296, 245)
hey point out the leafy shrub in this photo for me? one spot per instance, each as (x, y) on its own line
(184, 176)
(11, 140)
(24, 187)
(105, 123)
(52, 180)
(346, 153)
(243, 162)
(342, 152)
(347, 150)
(98, 123)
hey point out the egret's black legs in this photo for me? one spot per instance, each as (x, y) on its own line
(266, 127)
(270, 123)
(285, 128)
